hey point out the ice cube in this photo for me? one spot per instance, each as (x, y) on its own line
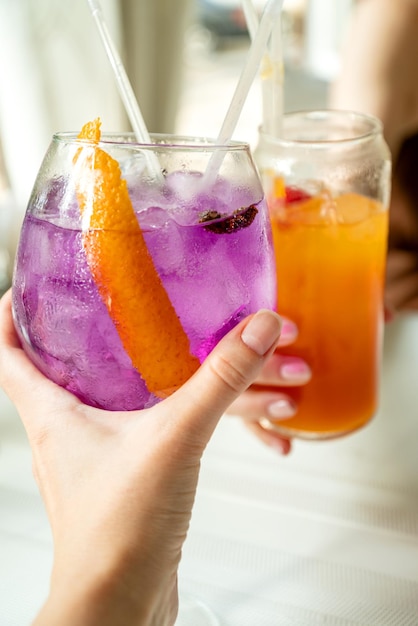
(210, 294)
(184, 185)
(352, 208)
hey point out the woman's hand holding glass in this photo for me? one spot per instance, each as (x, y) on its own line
(119, 486)
(262, 402)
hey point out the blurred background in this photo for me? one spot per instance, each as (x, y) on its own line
(183, 57)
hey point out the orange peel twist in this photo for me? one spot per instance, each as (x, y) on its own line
(124, 271)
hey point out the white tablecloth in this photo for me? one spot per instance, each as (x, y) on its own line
(327, 536)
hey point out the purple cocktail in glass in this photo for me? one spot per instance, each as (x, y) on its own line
(209, 245)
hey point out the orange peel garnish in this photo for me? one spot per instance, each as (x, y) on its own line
(124, 271)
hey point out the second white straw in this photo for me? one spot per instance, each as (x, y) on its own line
(272, 73)
(269, 18)
(251, 17)
(274, 85)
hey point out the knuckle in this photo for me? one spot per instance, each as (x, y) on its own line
(231, 375)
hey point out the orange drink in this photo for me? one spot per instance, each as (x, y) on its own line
(330, 236)
(330, 276)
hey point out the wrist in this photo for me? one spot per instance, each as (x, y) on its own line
(108, 594)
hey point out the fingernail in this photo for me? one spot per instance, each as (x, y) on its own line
(289, 331)
(295, 371)
(262, 332)
(281, 409)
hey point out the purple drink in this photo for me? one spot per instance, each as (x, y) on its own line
(211, 248)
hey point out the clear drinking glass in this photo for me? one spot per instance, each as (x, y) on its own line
(327, 183)
(120, 305)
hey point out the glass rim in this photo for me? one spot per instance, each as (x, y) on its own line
(162, 141)
(374, 127)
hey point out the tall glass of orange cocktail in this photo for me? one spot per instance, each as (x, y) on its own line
(327, 182)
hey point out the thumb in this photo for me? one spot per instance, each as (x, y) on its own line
(229, 370)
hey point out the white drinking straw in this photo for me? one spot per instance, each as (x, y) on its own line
(268, 19)
(272, 73)
(274, 119)
(251, 17)
(125, 89)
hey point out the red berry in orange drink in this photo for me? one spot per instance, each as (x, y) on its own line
(295, 194)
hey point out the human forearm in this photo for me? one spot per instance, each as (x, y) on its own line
(107, 597)
(377, 73)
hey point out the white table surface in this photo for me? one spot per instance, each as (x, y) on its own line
(327, 536)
